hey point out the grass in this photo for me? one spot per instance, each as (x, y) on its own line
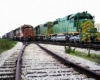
(6, 44)
(92, 57)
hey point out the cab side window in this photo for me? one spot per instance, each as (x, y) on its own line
(75, 21)
(71, 20)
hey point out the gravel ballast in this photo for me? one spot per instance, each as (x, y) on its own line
(60, 51)
(6, 54)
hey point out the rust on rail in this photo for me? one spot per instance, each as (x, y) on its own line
(18, 65)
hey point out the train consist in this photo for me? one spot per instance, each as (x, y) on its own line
(23, 33)
(78, 27)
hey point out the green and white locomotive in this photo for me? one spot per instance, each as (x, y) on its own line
(77, 27)
(43, 31)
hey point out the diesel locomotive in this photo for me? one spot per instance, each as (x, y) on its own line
(78, 27)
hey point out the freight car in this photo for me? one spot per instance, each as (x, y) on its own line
(23, 33)
(8, 35)
(4, 36)
(78, 27)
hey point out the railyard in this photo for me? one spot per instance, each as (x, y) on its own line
(49, 40)
(37, 64)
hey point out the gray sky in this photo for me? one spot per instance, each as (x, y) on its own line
(14, 13)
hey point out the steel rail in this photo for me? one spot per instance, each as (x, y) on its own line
(18, 65)
(79, 45)
(77, 67)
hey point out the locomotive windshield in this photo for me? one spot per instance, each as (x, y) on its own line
(84, 16)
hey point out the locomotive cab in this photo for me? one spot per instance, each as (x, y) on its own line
(85, 25)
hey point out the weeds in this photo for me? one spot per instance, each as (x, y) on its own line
(68, 49)
(6, 44)
(93, 57)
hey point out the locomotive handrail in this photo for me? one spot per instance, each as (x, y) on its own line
(18, 65)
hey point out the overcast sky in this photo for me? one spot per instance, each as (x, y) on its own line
(14, 13)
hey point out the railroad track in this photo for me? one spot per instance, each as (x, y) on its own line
(91, 46)
(7, 70)
(36, 64)
(81, 67)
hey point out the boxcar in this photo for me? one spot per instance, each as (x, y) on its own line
(10, 35)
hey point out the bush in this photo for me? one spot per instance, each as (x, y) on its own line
(68, 49)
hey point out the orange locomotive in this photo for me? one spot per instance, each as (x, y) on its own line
(28, 32)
